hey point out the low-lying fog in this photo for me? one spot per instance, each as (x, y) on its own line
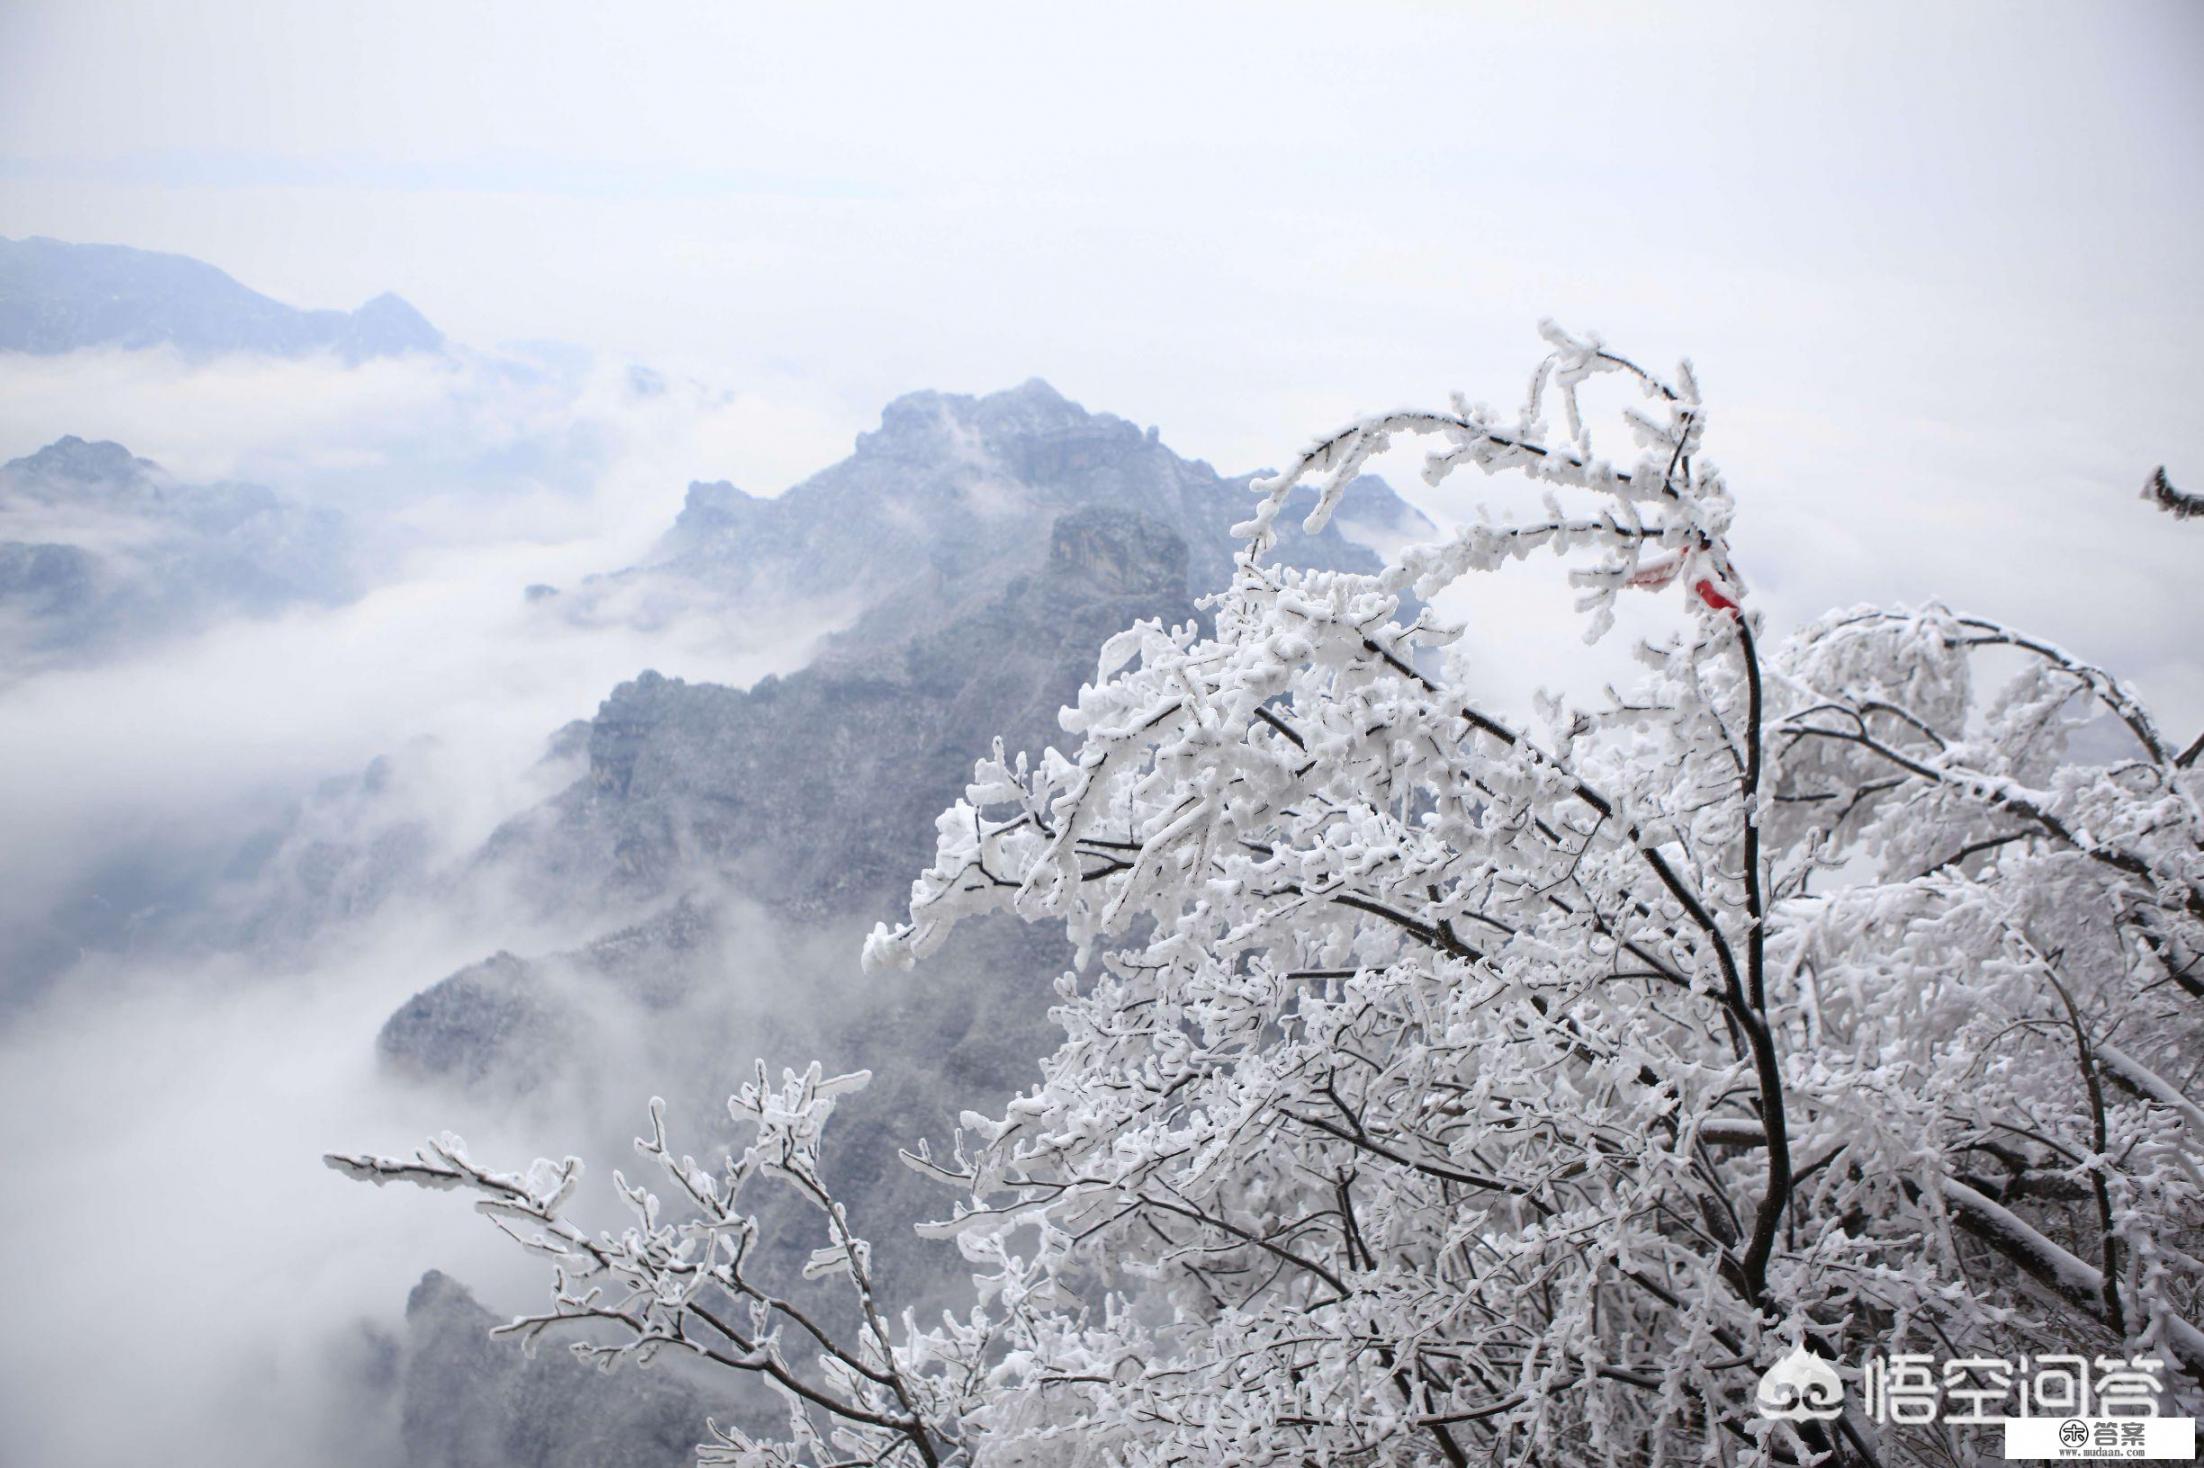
(163, 1109)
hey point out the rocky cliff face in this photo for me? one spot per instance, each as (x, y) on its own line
(473, 1401)
(58, 297)
(99, 548)
(479, 1025)
(817, 791)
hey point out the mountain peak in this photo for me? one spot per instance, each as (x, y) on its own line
(923, 420)
(80, 461)
(388, 326)
(1034, 389)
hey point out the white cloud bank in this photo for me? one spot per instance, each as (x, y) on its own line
(163, 1110)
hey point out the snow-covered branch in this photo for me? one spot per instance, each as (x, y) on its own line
(685, 1282)
(1478, 1061)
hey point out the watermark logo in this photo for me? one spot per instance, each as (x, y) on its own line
(1799, 1387)
(2065, 1407)
(2100, 1439)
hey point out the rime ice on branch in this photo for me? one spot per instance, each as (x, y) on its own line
(1434, 1089)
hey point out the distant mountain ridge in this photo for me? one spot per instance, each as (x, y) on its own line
(56, 296)
(99, 547)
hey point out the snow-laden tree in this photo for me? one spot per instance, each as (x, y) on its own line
(1435, 1089)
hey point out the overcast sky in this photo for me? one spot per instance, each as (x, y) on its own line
(1939, 266)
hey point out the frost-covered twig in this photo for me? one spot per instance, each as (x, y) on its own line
(686, 1284)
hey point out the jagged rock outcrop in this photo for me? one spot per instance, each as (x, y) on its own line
(463, 1026)
(56, 296)
(946, 499)
(473, 1401)
(478, 1024)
